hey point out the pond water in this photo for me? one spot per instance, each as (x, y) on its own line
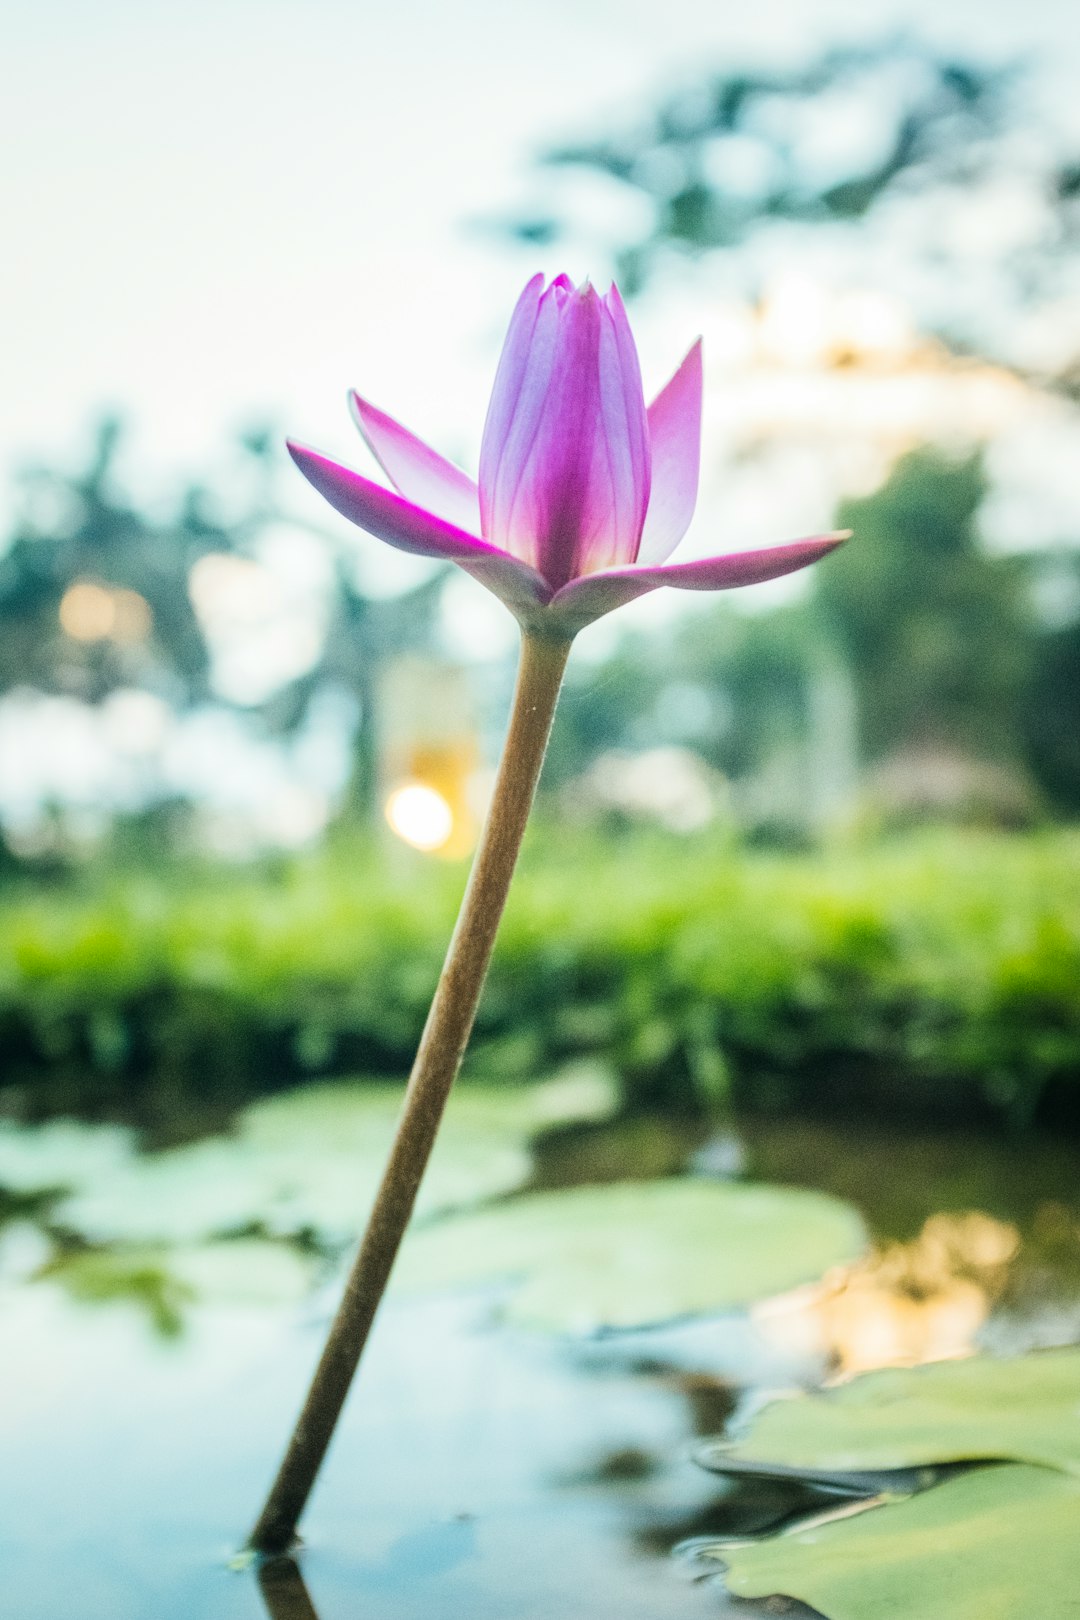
(481, 1469)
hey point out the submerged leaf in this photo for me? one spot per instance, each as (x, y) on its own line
(1026, 1409)
(996, 1542)
(637, 1252)
(137, 1277)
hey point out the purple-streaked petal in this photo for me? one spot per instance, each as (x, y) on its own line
(675, 436)
(625, 429)
(420, 473)
(397, 521)
(506, 389)
(564, 467)
(583, 600)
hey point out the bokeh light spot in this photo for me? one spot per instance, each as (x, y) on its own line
(420, 815)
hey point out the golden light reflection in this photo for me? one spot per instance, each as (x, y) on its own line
(905, 1303)
(429, 758)
(420, 815)
(92, 612)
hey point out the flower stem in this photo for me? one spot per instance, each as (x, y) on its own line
(438, 1059)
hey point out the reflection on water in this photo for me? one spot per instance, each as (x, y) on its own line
(479, 1472)
(905, 1303)
(283, 1590)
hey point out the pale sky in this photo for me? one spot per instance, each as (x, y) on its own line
(239, 207)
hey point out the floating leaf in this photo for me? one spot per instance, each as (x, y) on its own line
(310, 1160)
(996, 1542)
(1026, 1409)
(60, 1153)
(636, 1252)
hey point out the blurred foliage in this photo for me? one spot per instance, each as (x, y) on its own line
(79, 531)
(725, 155)
(938, 635)
(938, 648)
(936, 975)
(729, 155)
(363, 636)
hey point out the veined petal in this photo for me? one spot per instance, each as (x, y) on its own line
(583, 600)
(420, 473)
(675, 437)
(397, 521)
(564, 468)
(506, 389)
(624, 430)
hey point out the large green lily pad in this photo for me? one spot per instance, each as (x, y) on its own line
(310, 1160)
(1025, 1409)
(999, 1543)
(637, 1252)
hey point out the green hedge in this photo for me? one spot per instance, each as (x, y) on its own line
(941, 973)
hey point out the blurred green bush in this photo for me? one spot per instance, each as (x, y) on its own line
(936, 975)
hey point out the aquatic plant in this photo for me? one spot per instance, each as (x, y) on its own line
(583, 494)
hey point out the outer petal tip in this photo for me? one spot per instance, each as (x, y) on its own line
(675, 438)
(415, 469)
(588, 598)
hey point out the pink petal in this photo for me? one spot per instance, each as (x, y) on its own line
(506, 389)
(420, 473)
(583, 600)
(626, 432)
(675, 435)
(391, 518)
(564, 466)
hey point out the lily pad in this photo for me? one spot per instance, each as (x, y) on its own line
(309, 1162)
(1026, 1409)
(999, 1541)
(60, 1153)
(636, 1252)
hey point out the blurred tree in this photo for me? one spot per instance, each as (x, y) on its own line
(1051, 714)
(893, 138)
(732, 152)
(95, 597)
(914, 638)
(364, 633)
(939, 636)
(914, 641)
(93, 594)
(852, 136)
(732, 689)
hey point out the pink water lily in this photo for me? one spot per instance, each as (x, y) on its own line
(583, 493)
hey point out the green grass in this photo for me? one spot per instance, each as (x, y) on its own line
(941, 973)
